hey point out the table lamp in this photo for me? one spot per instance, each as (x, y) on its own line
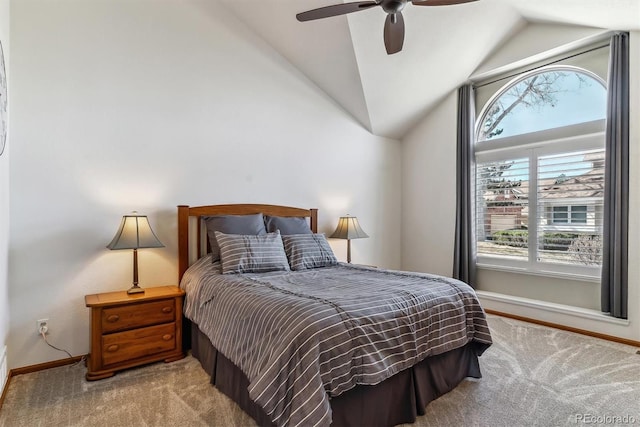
(348, 228)
(135, 233)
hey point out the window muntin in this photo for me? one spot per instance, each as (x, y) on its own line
(578, 214)
(554, 221)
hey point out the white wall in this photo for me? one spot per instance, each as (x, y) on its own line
(4, 209)
(429, 191)
(138, 104)
(428, 208)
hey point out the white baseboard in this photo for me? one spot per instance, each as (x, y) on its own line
(4, 373)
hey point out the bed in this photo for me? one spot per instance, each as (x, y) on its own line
(317, 342)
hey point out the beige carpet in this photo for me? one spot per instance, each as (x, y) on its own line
(532, 376)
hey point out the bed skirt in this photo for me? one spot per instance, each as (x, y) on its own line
(399, 399)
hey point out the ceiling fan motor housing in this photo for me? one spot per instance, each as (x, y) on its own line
(393, 6)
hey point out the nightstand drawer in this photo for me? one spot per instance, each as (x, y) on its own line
(137, 315)
(143, 342)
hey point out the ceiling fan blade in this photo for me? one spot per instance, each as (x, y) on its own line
(334, 10)
(394, 33)
(440, 2)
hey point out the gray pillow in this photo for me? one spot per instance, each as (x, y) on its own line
(308, 251)
(251, 254)
(232, 224)
(287, 225)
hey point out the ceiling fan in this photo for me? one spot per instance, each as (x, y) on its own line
(394, 24)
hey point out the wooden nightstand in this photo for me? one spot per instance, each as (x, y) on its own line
(130, 330)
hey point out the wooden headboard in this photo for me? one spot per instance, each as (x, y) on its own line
(187, 213)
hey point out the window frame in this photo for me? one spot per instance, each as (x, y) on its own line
(576, 137)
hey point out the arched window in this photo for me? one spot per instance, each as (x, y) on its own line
(543, 100)
(540, 172)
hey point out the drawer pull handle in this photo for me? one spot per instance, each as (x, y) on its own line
(113, 318)
(167, 337)
(113, 347)
(167, 309)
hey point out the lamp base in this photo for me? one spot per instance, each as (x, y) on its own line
(135, 289)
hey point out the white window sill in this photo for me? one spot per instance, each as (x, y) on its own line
(576, 312)
(542, 273)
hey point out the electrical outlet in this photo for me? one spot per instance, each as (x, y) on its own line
(42, 326)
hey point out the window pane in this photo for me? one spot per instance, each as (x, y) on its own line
(570, 206)
(544, 100)
(502, 208)
(560, 214)
(560, 218)
(578, 214)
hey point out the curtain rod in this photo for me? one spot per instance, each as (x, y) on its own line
(540, 66)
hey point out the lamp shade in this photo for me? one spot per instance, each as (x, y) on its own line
(348, 228)
(135, 233)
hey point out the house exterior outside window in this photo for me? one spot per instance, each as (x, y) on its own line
(539, 174)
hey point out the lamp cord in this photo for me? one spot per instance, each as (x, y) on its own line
(44, 337)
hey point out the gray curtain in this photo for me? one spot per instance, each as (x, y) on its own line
(616, 201)
(464, 258)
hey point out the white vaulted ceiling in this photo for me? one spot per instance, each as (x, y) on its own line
(443, 47)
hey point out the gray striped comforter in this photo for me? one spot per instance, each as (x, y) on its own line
(303, 337)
